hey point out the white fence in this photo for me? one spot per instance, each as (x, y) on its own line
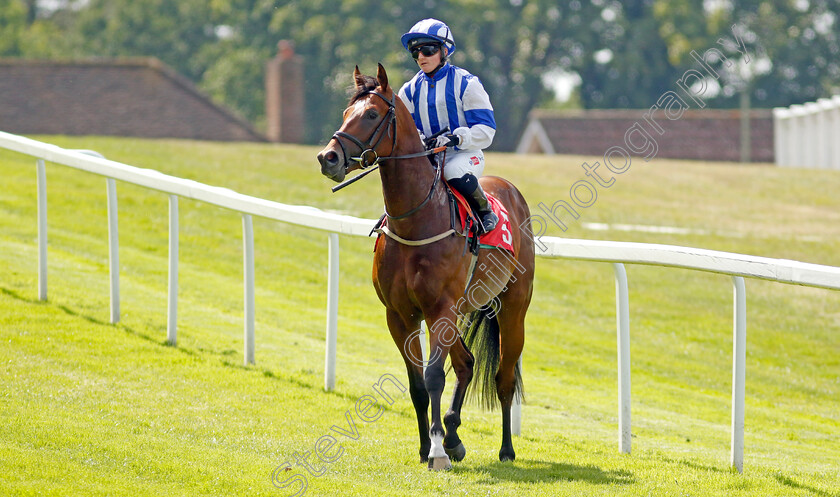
(807, 135)
(736, 265)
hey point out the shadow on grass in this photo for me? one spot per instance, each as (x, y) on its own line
(542, 471)
(127, 329)
(304, 379)
(296, 378)
(15, 295)
(700, 467)
(76, 314)
(790, 482)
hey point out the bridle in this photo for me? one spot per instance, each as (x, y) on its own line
(369, 157)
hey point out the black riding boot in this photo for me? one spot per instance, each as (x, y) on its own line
(467, 185)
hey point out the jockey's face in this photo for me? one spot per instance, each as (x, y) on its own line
(428, 63)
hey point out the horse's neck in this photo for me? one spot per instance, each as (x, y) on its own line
(405, 185)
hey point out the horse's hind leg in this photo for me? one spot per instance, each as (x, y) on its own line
(409, 344)
(511, 319)
(505, 388)
(462, 363)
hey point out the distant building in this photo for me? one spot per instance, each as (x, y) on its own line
(700, 134)
(284, 95)
(120, 97)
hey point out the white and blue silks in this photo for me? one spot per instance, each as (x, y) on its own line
(455, 98)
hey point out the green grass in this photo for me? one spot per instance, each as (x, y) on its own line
(90, 408)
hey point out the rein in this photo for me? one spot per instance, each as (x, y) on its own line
(438, 172)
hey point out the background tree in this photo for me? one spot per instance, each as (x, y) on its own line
(799, 44)
(173, 31)
(509, 45)
(332, 39)
(12, 25)
(627, 53)
(623, 58)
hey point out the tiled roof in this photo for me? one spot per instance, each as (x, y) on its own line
(701, 134)
(121, 97)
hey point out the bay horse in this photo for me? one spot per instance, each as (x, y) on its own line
(420, 271)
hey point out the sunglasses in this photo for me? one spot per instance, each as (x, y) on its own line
(427, 50)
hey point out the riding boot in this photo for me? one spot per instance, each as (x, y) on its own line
(468, 186)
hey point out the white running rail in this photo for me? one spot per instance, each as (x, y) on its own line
(737, 266)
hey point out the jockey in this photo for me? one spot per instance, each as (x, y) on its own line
(442, 95)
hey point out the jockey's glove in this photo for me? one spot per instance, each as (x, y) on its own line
(448, 140)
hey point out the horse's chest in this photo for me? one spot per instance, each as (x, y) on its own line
(418, 279)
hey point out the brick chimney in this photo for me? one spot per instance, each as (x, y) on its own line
(284, 95)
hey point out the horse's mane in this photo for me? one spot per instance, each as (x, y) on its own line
(368, 83)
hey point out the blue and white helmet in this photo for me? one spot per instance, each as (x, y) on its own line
(429, 30)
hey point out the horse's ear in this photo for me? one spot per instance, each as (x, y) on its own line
(358, 78)
(382, 78)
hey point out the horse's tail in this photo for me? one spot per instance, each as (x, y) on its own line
(481, 336)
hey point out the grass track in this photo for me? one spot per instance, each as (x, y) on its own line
(90, 408)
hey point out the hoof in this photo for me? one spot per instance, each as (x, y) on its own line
(457, 454)
(505, 455)
(439, 463)
(424, 453)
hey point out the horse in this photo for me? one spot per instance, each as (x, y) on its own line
(421, 271)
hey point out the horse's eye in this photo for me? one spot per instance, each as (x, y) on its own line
(371, 114)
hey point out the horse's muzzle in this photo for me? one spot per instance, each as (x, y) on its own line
(332, 163)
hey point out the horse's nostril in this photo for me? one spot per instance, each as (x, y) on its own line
(328, 159)
(331, 158)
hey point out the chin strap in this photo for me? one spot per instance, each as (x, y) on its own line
(436, 69)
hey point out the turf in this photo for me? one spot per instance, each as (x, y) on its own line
(91, 408)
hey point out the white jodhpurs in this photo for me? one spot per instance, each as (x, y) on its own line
(461, 162)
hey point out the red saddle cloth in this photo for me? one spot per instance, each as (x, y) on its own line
(501, 236)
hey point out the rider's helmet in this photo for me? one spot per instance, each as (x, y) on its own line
(429, 31)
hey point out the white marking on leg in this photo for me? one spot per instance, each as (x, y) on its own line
(437, 447)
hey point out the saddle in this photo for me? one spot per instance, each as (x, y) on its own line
(462, 222)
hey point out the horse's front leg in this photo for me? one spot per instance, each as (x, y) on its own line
(462, 363)
(443, 333)
(408, 341)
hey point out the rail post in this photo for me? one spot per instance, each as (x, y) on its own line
(248, 270)
(332, 314)
(739, 360)
(172, 287)
(516, 409)
(114, 249)
(41, 170)
(622, 315)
